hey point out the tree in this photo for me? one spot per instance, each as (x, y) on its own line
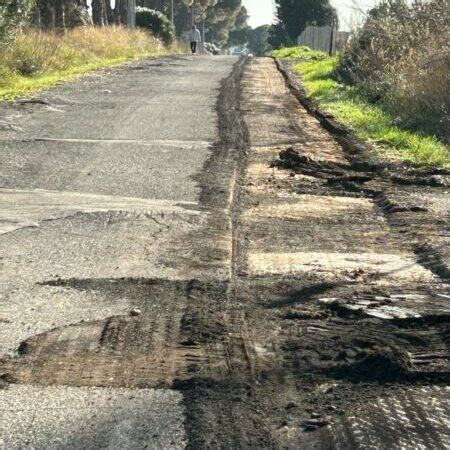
(295, 15)
(120, 13)
(221, 19)
(101, 12)
(258, 40)
(240, 33)
(239, 37)
(157, 23)
(278, 35)
(14, 14)
(61, 13)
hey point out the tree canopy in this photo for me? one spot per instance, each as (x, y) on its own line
(293, 16)
(223, 19)
(156, 22)
(258, 40)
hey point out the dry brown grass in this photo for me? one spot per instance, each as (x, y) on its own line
(112, 42)
(36, 51)
(419, 94)
(399, 58)
(37, 59)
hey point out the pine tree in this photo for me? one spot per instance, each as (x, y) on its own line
(221, 19)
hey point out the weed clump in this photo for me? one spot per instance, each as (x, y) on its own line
(303, 53)
(369, 120)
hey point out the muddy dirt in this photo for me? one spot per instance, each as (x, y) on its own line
(326, 324)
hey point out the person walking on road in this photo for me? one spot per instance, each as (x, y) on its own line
(195, 37)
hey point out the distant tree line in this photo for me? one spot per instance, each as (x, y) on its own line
(292, 18)
(224, 22)
(217, 18)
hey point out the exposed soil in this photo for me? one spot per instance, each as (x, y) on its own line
(327, 324)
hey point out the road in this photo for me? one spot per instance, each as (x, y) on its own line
(99, 183)
(182, 252)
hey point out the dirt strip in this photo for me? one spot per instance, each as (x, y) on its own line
(358, 310)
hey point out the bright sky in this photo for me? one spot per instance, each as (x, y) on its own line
(262, 11)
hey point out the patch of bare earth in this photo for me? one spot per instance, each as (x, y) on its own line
(348, 268)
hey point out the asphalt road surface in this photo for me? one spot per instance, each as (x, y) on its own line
(96, 177)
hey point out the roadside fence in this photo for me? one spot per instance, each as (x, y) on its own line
(327, 39)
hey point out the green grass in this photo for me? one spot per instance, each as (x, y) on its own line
(304, 53)
(369, 122)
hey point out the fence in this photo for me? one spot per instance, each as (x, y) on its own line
(327, 39)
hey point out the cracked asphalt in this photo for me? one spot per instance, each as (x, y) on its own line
(98, 181)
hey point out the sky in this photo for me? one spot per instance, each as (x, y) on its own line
(262, 11)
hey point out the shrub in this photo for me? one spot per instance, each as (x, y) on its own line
(37, 59)
(368, 121)
(6, 76)
(110, 42)
(157, 23)
(76, 16)
(399, 58)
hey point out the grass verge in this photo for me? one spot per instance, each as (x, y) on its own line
(368, 121)
(37, 60)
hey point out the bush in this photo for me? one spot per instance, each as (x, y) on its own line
(6, 76)
(76, 16)
(399, 58)
(37, 59)
(36, 52)
(111, 42)
(157, 23)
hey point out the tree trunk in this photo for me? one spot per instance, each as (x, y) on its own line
(99, 13)
(109, 12)
(121, 12)
(59, 14)
(46, 13)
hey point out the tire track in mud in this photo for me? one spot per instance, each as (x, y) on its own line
(309, 363)
(411, 318)
(326, 358)
(159, 341)
(223, 411)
